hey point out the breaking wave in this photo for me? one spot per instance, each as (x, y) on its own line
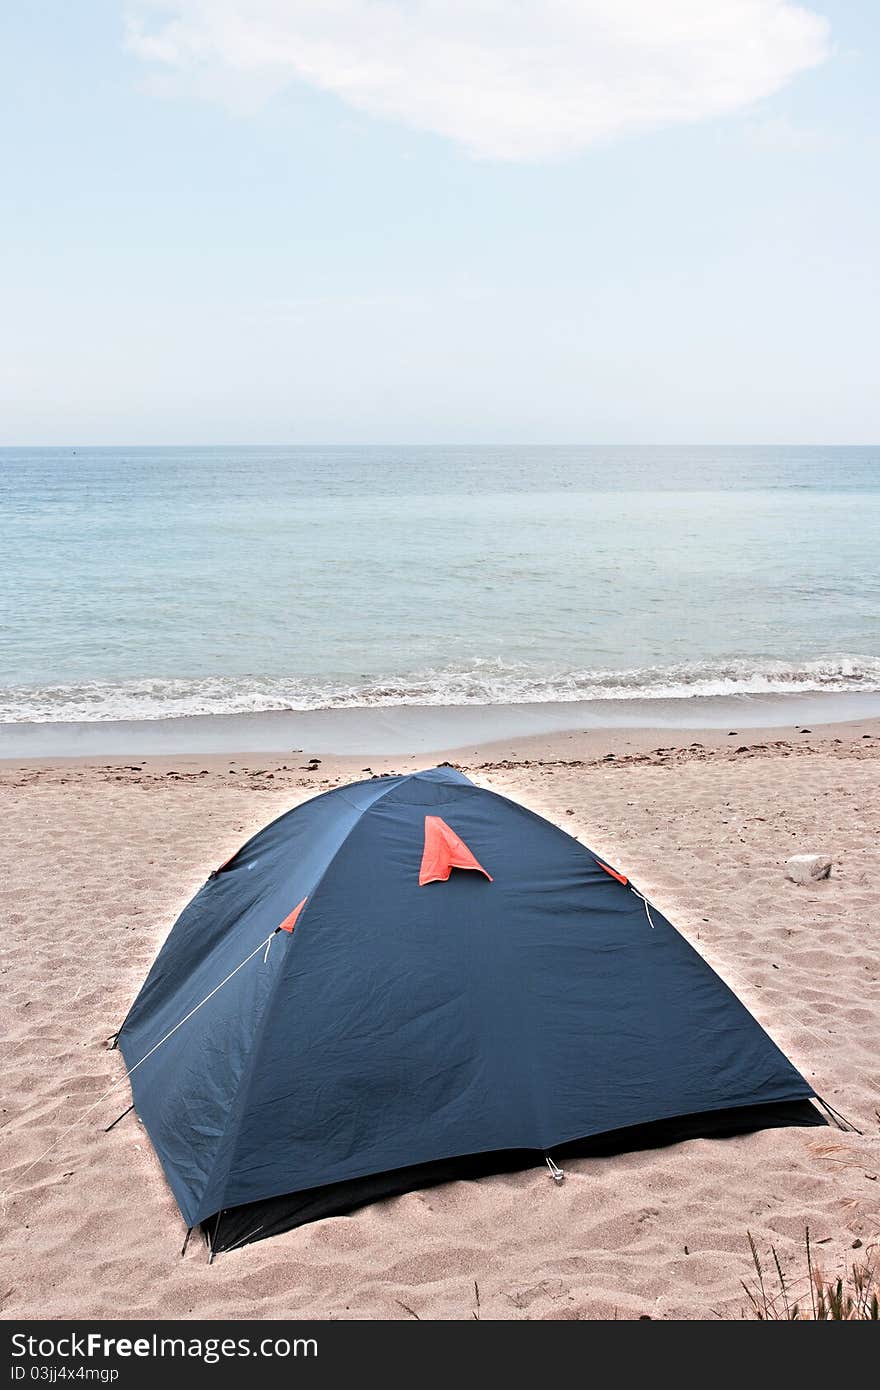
(481, 682)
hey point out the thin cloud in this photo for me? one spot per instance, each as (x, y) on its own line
(505, 79)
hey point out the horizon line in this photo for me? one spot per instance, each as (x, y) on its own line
(457, 444)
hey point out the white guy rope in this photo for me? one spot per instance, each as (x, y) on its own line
(647, 904)
(79, 1119)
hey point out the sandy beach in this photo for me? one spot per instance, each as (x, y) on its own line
(471, 402)
(100, 856)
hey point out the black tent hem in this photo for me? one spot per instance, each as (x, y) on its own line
(241, 1225)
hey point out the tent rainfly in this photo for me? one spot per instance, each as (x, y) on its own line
(414, 979)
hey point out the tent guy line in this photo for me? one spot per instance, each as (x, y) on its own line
(129, 1072)
(647, 905)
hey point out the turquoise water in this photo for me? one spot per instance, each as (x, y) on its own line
(139, 583)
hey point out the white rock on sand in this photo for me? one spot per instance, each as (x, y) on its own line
(807, 868)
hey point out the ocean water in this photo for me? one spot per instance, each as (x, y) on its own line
(141, 583)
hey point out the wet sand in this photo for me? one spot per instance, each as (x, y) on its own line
(397, 730)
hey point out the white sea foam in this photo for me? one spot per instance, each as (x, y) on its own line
(482, 682)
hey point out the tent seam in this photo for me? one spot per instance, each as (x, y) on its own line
(260, 1027)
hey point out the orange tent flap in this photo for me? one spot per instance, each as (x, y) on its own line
(621, 878)
(290, 920)
(444, 851)
(221, 867)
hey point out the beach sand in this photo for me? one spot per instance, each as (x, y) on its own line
(99, 858)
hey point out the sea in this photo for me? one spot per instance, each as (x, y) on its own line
(140, 583)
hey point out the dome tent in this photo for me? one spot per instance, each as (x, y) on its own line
(411, 979)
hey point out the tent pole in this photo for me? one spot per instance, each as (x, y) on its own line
(189, 1231)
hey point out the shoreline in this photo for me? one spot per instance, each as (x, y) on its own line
(395, 730)
(545, 754)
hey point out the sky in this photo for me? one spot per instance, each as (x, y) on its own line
(439, 222)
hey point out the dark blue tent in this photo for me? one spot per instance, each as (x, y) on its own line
(411, 979)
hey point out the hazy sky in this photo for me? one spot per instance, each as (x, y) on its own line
(343, 221)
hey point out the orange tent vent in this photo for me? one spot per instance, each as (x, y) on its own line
(621, 878)
(290, 920)
(444, 851)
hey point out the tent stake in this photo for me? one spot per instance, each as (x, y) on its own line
(556, 1173)
(841, 1121)
(211, 1251)
(118, 1118)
